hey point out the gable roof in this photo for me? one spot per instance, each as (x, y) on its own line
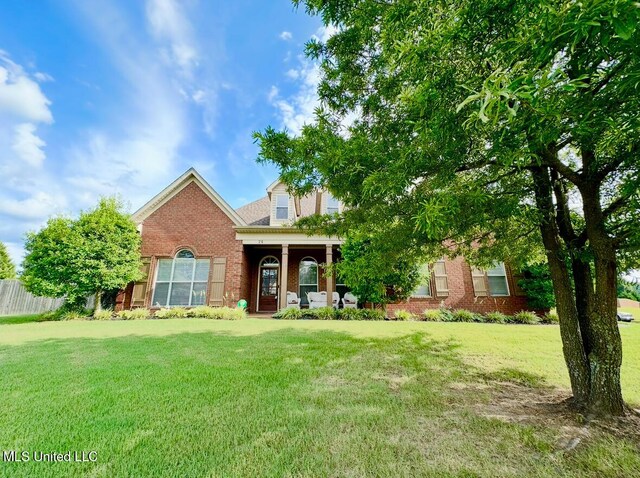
(190, 176)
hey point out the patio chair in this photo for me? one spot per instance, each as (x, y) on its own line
(350, 301)
(293, 300)
(317, 299)
(335, 301)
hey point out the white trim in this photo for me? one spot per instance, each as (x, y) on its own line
(164, 196)
(286, 236)
(259, 282)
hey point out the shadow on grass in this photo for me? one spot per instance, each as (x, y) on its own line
(295, 402)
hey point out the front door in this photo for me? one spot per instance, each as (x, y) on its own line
(268, 296)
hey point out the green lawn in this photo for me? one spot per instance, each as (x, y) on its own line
(273, 398)
(20, 319)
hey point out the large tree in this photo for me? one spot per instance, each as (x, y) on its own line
(98, 252)
(7, 269)
(492, 127)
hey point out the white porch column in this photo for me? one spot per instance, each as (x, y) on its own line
(330, 279)
(284, 273)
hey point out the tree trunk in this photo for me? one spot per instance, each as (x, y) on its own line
(605, 347)
(98, 304)
(570, 331)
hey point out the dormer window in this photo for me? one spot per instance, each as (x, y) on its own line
(333, 205)
(282, 207)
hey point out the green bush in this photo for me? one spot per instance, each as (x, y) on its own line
(325, 313)
(433, 315)
(134, 314)
(290, 313)
(525, 317)
(496, 318)
(173, 313)
(404, 315)
(536, 283)
(349, 314)
(217, 313)
(372, 314)
(75, 314)
(321, 313)
(550, 318)
(463, 315)
(105, 314)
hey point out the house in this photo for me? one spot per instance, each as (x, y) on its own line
(198, 250)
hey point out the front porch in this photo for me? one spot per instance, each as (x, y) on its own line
(299, 268)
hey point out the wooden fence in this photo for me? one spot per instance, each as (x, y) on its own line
(15, 300)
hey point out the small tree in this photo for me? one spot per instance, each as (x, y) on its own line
(373, 279)
(99, 251)
(7, 269)
(536, 283)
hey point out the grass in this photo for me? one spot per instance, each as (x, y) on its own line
(20, 319)
(274, 398)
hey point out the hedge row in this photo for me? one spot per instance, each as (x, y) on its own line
(462, 315)
(329, 313)
(201, 312)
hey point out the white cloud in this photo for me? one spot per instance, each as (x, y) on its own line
(293, 74)
(27, 195)
(286, 36)
(38, 206)
(27, 145)
(273, 93)
(298, 109)
(42, 77)
(169, 24)
(20, 96)
(325, 32)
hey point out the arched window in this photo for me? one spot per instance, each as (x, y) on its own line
(307, 278)
(181, 281)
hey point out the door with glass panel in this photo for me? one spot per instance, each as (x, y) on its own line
(268, 284)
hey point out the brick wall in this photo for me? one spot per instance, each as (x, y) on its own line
(191, 220)
(461, 295)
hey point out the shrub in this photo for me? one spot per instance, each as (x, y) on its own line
(496, 318)
(232, 313)
(103, 315)
(536, 283)
(134, 314)
(217, 313)
(349, 314)
(404, 315)
(372, 314)
(325, 313)
(433, 315)
(174, 313)
(525, 317)
(463, 315)
(290, 313)
(75, 314)
(550, 318)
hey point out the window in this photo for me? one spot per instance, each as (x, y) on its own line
(333, 205)
(497, 280)
(282, 206)
(307, 278)
(181, 281)
(424, 286)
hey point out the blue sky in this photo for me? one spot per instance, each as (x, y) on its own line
(121, 97)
